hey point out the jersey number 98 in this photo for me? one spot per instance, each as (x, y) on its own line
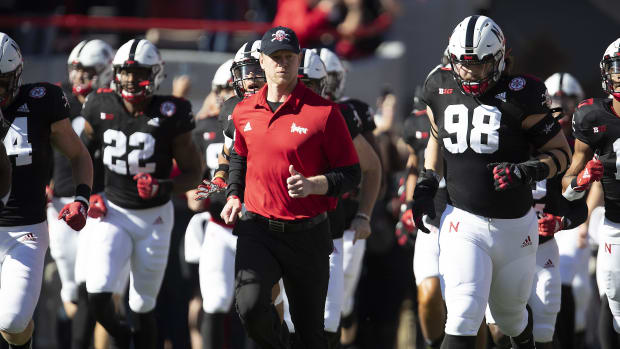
(484, 136)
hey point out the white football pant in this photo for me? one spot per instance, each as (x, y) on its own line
(22, 255)
(63, 248)
(140, 238)
(217, 268)
(194, 236)
(352, 265)
(486, 260)
(608, 266)
(426, 254)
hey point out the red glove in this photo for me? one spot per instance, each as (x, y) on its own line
(407, 220)
(74, 214)
(403, 237)
(147, 185)
(207, 188)
(549, 224)
(591, 173)
(97, 206)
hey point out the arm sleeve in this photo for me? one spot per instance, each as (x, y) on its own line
(577, 213)
(345, 172)
(236, 175)
(185, 119)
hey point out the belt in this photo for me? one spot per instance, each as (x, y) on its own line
(281, 226)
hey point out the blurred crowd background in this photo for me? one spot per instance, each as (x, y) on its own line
(389, 47)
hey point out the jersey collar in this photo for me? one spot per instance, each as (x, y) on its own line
(293, 101)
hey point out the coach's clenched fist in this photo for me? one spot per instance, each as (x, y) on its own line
(231, 210)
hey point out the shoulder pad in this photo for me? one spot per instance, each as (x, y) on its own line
(585, 103)
(104, 90)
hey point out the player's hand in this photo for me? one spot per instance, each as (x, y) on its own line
(403, 236)
(591, 173)
(549, 224)
(507, 175)
(361, 227)
(74, 214)
(231, 210)
(147, 185)
(407, 221)
(207, 188)
(298, 186)
(97, 206)
(419, 207)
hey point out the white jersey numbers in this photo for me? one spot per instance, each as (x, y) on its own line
(16, 142)
(484, 135)
(116, 148)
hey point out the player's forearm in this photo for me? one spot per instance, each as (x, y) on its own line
(369, 190)
(82, 168)
(412, 176)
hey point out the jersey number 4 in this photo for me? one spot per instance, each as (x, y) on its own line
(16, 142)
(116, 148)
(484, 136)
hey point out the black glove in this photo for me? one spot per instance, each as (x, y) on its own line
(423, 194)
(508, 175)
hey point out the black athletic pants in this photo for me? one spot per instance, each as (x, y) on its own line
(301, 259)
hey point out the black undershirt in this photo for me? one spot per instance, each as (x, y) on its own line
(274, 105)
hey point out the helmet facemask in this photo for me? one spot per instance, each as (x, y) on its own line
(9, 86)
(142, 85)
(610, 74)
(483, 72)
(248, 77)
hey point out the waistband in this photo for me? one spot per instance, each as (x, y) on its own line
(281, 226)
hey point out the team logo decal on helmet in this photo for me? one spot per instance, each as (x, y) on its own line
(37, 92)
(168, 109)
(280, 35)
(517, 84)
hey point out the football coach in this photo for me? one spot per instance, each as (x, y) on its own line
(294, 157)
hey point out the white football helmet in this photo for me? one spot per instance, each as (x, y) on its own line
(564, 84)
(246, 66)
(312, 71)
(11, 64)
(223, 76)
(477, 40)
(610, 65)
(336, 73)
(138, 54)
(96, 56)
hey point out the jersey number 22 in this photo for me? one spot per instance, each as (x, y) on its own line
(116, 147)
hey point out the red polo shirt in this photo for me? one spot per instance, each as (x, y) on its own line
(306, 131)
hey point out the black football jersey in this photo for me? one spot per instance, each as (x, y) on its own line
(363, 113)
(131, 145)
(209, 138)
(474, 132)
(225, 117)
(62, 176)
(596, 124)
(27, 141)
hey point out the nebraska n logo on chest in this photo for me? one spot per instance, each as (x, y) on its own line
(298, 129)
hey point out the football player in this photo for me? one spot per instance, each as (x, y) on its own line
(217, 251)
(248, 78)
(140, 134)
(596, 130)
(313, 74)
(431, 308)
(565, 92)
(483, 124)
(89, 68)
(351, 204)
(36, 115)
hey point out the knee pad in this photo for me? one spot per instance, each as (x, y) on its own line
(509, 322)
(141, 304)
(13, 323)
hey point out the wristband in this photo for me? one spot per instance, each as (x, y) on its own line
(82, 193)
(571, 194)
(220, 174)
(362, 216)
(223, 168)
(233, 197)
